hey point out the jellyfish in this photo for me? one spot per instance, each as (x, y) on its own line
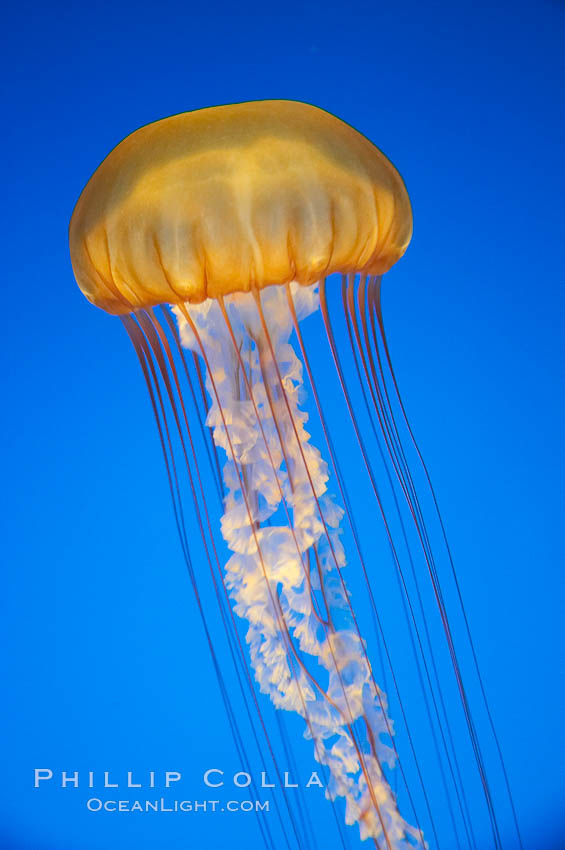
(217, 235)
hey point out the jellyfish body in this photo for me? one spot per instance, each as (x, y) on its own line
(234, 217)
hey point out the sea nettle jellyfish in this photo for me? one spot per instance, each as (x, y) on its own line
(213, 235)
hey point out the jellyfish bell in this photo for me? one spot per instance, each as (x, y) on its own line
(232, 198)
(212, 234)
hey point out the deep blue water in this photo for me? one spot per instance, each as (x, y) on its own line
(106, 667)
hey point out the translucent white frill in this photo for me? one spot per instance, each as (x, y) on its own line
(274, 475)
